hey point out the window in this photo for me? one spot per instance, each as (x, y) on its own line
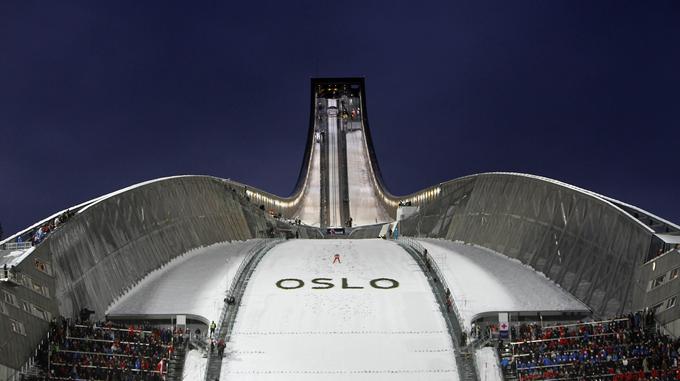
(670, 303)
(674, 274)
(42, 290)
(26, 306)
(42, 314)
(658, 281)
(9, 298)
(17, 327)
(3, 309)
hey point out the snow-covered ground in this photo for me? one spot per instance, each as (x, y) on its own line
(334, 199)
(485, 281)
(192, 284)
(310, 209)
(365, 209)
(194, 366)
(338, 333)
(487, 364)
(14, 257)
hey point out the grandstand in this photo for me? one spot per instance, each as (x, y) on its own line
(488, 276)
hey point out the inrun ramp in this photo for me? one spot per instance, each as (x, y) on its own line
(378, 321)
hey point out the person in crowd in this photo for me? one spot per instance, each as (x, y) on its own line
(105, 351)
(212, 328)
(626, 348)
(220, 347)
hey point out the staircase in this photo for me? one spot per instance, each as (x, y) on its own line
(214, 366)
(465, 354)
(34, 373)
(176, 363)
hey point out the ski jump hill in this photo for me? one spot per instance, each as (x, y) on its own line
(497, 242)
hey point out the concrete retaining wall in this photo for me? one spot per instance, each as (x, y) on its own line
(584, 243)
(112, 244)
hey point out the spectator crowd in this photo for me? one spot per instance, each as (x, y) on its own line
(37, 235)
(628, 348)
(105, 351)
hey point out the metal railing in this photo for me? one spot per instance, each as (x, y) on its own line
(420, 249)
(252, 252)
(18, 245)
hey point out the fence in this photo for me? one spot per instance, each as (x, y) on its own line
(418, 247)
(18, 245)
(262, 245)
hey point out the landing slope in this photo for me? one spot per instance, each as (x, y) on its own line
(193, 284)
(339, 333)
(484, 282)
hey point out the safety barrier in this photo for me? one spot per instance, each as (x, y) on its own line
(18, 245)
(420, 249)
(252, 252)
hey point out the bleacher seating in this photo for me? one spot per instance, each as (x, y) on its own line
(623, 349)
(109, 352)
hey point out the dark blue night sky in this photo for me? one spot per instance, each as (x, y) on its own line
(95, 97)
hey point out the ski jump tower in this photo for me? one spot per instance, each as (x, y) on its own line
(339, 183)
(612, 256)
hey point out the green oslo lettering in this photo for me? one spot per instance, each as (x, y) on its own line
(391, 283)
(345, 285)
(297, 283)
(325, 282)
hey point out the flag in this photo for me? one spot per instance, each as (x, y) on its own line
(503, 325)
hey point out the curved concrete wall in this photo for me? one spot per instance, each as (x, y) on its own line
(584, 243)
(114, 242)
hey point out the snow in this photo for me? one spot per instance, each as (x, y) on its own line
(485, 281)
(194, 366)
(334, 202)
(193, 284)
(487, 363)
(310, 209)
(364, 206)
(16, 256)
(336, 333)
